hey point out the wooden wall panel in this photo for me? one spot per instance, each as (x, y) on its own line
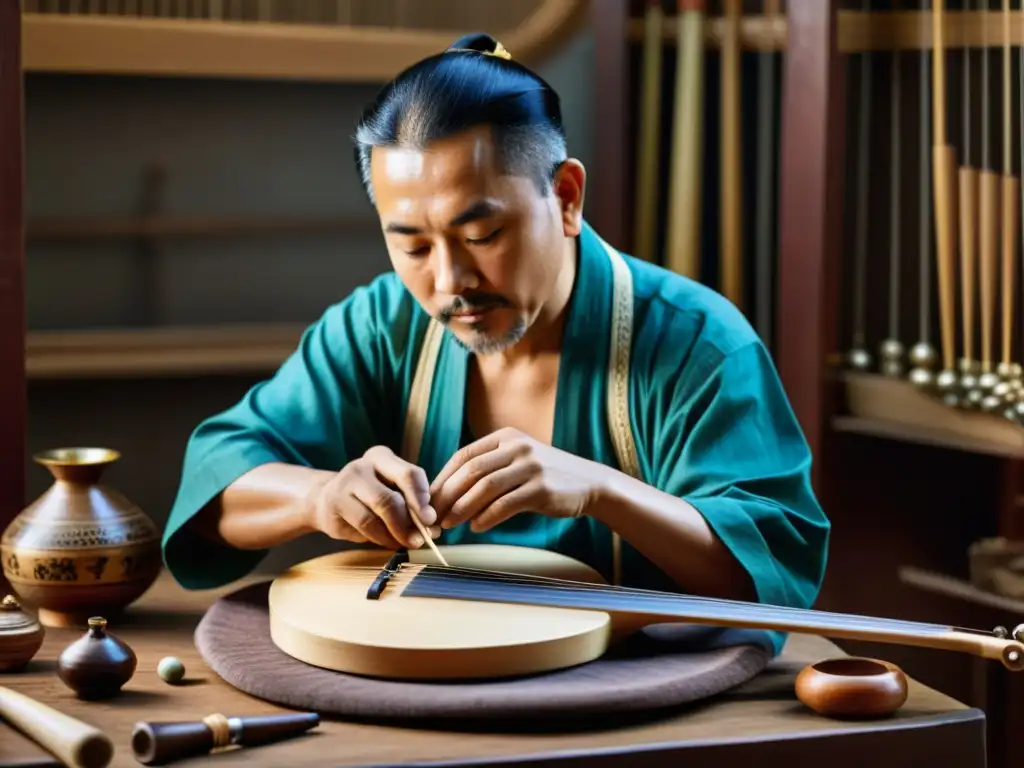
(12, 270)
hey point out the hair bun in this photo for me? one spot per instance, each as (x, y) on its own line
(478, 41)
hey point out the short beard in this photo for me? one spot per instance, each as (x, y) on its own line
(483, 344)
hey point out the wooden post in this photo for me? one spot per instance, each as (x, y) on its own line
(810, 215)
(13, 396)
(609, 195)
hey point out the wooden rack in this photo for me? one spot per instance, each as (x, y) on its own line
(278, 45)
(252, 349)
(856, 31)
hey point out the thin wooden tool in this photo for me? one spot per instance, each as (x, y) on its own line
(427, 538)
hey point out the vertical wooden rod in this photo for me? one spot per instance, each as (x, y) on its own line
(810, 217)
(13, 396)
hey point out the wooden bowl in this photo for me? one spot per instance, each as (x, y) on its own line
(852, 687)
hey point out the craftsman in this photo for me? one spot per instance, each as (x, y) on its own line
(464, 158)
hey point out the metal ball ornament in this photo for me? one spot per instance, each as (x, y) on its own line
(947, 380)
(891, 353)
(859, 359)
(987, 381)
(892, 368)
(922, 378)
(923, 355)
(968, 380)
(990, 403)
(1007, 371)
(1004, 391)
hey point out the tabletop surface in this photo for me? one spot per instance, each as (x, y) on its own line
(161, 624)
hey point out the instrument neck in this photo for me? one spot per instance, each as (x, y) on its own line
(637, 608)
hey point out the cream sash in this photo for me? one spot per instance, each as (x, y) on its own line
(618, 385)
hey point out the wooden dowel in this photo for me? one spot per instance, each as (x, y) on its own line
(647, 184)
(684, 218)
(731, 226)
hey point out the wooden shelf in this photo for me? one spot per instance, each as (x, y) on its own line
(91, 228)
(157, 352)
(203, 47)
(859, 31)
(933, 437)
(958, 589)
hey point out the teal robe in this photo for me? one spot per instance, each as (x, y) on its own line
(710, 420)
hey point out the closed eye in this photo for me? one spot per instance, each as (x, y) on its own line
(486, 239)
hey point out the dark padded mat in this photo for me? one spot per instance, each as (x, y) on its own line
(665, 666)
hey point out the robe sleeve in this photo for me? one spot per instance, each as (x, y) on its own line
(322, 408)
(733, 449)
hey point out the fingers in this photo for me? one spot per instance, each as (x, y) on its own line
(466, 475)
(521, 499)
(486, 491)
(383, 515)
(409, 479)
(461, 457)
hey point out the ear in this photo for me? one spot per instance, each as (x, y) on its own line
(569, 186)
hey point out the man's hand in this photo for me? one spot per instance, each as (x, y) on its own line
(506, 473)
(371, 499)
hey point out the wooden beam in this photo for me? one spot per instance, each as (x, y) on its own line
(13, 406)
(160, 226)
(161, 352)
(859, 31)
(607, 195)
(109, 44)
(810, 215)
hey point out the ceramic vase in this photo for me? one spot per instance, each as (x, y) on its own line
(81, 549)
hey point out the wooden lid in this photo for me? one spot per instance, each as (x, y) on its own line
(21, 634)
(14, 620)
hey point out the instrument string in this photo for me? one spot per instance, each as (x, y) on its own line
(525, 590)
(453, 582)
(408, 576)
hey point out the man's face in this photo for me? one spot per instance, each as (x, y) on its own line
(481, 251)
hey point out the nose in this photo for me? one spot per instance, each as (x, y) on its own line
(453, 271)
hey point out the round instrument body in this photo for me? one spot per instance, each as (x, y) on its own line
(852, 687)
(320, 614)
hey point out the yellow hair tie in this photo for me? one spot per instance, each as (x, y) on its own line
(499, 51)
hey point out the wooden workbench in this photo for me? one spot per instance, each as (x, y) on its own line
(760, 722)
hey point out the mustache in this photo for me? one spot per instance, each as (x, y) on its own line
(475, 303)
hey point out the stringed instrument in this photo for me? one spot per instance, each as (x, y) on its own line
(498, 611)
